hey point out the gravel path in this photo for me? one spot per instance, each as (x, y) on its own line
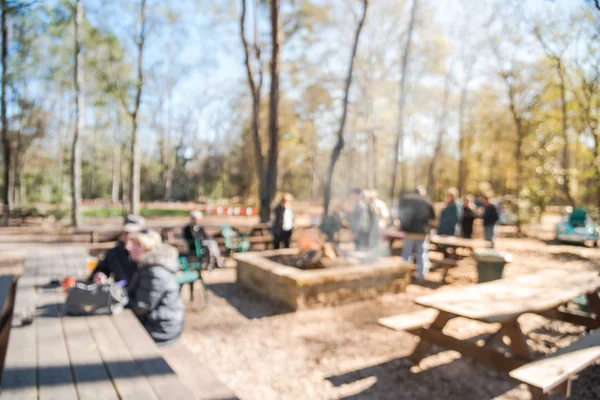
(263, 352)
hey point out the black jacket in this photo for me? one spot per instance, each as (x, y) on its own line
(278, 221)
(415, 214)
(468, 217)
(118, 263)
(154, 294)
(192, 233)
(490, 215)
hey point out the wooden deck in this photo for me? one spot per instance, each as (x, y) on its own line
(95, 357)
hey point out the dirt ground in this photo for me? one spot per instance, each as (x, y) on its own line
(263, 352)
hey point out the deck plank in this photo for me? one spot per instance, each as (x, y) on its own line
(164, 381)
(19, 381)
(55, 378)
(128, 378)
(91, 377)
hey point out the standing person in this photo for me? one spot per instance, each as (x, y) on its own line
(195, 232)
(284, 222)
(380, 221)
(451, 215)
(117, 261)
(468, 217)
(363, 218)
(154, 292)
(490, 218)
(416, 214)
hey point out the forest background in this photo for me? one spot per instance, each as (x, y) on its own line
(155, 100)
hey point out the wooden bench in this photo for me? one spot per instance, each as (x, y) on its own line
(410, 321)
(555, 373)
(23, 214)
(194, 374)
(7, 303)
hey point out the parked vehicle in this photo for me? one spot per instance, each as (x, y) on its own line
(577, 227)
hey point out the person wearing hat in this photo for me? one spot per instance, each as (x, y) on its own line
(117, 262)
(195, 232)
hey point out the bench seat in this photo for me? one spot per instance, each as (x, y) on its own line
(196, 376)
(553, 372)
(409, 321)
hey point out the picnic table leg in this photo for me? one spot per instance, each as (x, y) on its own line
(424, 345)
(594, 303)
(518, 343)
(537, 393)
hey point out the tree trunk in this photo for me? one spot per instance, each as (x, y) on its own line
(399, 142)
(440, 134)
(462, 162)
(116, 167)
(135, 163)
(565, 153)
(273, 154)
(6, 194)
(518, 149)
(337, 150)
(255, 89)
(79, 119)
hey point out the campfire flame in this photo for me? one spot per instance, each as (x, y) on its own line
(308, 243)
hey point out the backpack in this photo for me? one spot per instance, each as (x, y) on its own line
(104, 299)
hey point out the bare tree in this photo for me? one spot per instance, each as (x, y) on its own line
(79, 117)
(134, 164)
(255, 90)
(398, 144)
(273, 154)
(557, 58)
(337, 150)
(442, 127)
(6, 195)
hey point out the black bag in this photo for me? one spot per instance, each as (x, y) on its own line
(107, 299)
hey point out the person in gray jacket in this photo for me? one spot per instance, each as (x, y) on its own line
(154, 290)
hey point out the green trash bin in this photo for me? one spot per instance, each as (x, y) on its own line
(490, 264)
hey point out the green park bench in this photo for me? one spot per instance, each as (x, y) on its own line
(234, 241)
(191, 271)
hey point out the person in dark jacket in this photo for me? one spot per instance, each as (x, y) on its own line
(154, 291)
(283, 225)
(117, 261)
(451, 215)
(468, 217)
(195, 232)
(490, 218)
(416, 214)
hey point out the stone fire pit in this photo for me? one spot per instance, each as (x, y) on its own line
(341, 281)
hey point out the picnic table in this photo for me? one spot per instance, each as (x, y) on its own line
(452, 248)
(502, 302)
(448, 246)
(62, 357)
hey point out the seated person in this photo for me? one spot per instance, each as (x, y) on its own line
(194, 231)
(117, 261)
(154, 290)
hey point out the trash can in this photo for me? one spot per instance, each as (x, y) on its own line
(490, 264)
